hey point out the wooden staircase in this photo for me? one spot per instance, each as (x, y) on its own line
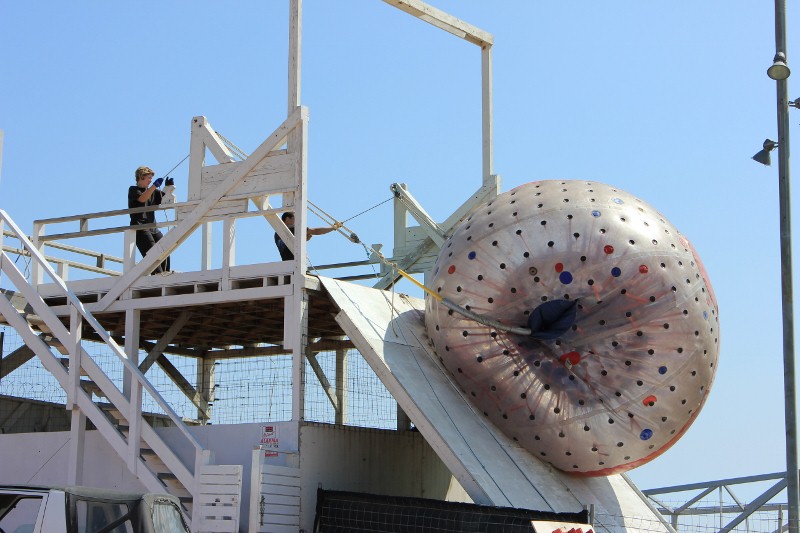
(116, 414)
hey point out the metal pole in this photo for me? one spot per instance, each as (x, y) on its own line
(786, 275)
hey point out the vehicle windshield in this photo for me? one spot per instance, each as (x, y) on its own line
(18, 513)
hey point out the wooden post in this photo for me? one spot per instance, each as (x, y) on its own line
(341, 385)
(37, 274)
(206, 377)
(77, 430)
(129, 250)
(486, 115)
(228, 250)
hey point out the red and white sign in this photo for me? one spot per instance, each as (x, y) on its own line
(269, 440)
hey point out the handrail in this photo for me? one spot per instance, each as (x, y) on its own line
(75, 249)
(120, 229)
(67, 262)
(102, 333)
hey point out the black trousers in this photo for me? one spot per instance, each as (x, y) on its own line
(145, 239)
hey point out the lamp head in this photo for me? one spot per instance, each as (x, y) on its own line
(762, 156)
(779, 70)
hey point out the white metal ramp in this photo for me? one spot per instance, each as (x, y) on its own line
(389, 331)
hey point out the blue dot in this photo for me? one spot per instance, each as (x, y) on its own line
(595, 213)
(662, 370)
(646, 434)
(565, 277)
(472, 255)
(616, 272)
(705, 315)
(617, 201)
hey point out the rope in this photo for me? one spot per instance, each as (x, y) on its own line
(238, 151)
(164, 213)
(481, 319)
(370, 209)
(176, 166)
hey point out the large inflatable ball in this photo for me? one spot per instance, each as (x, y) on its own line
(614, 328)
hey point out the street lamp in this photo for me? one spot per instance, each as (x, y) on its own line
(779, 71)
(762, 156)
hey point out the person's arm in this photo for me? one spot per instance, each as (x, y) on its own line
(310, 232)
(151, 190)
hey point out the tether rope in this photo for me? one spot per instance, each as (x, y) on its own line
(486, 321)
(352, 237)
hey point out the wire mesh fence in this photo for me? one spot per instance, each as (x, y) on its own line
(218, 391)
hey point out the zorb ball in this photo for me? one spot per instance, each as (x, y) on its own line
(617, 336)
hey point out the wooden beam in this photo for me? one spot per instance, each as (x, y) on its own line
(162, 343)
(330, 392)
(444, 21)
(182, 383)
(15, 359)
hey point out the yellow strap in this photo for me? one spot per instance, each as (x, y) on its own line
(420, 285)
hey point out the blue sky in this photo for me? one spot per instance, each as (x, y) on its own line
(666, 100)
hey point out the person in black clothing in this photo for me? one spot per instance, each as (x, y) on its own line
(288, 219)
(146, 194)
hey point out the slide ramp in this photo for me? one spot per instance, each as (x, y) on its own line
(389, 332)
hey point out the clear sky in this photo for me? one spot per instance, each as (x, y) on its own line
(666, 100)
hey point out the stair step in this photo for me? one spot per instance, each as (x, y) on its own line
(55, 343)
(92, 388)
(65, 362)
(175, 488)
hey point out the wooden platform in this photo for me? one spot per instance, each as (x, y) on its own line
(240, 313)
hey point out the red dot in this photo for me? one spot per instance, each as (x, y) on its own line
(643, 269)
(608, 249)
(650, 401)
(451, 269)
(573, 357)
(559, 267)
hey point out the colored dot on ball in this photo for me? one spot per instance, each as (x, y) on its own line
(650, 401)
(573, 357)
(643, 269)
(662, 370)
(646, 434)
(559, 267)
(595, 213)
(705, 315)
(565, 278)
(608, 249)
(472, 255)
(451, 269)
(616, 272)
(617, 201)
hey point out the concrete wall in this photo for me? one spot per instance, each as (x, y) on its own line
(370, 460)
(333, 457)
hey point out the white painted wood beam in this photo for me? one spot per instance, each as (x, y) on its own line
(203, 136)
(77, 438)
(74, 348)
(342, 376)
(486, 114)
(330, 392)
(416, 210)
(444, 21)
(181, 382)
(164, 341)
(15, 359)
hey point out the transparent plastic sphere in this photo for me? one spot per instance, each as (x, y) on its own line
(625, 369)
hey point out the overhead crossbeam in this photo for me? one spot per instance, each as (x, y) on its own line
(444, 21)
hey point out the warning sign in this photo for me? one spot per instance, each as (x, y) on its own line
(269, 440)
